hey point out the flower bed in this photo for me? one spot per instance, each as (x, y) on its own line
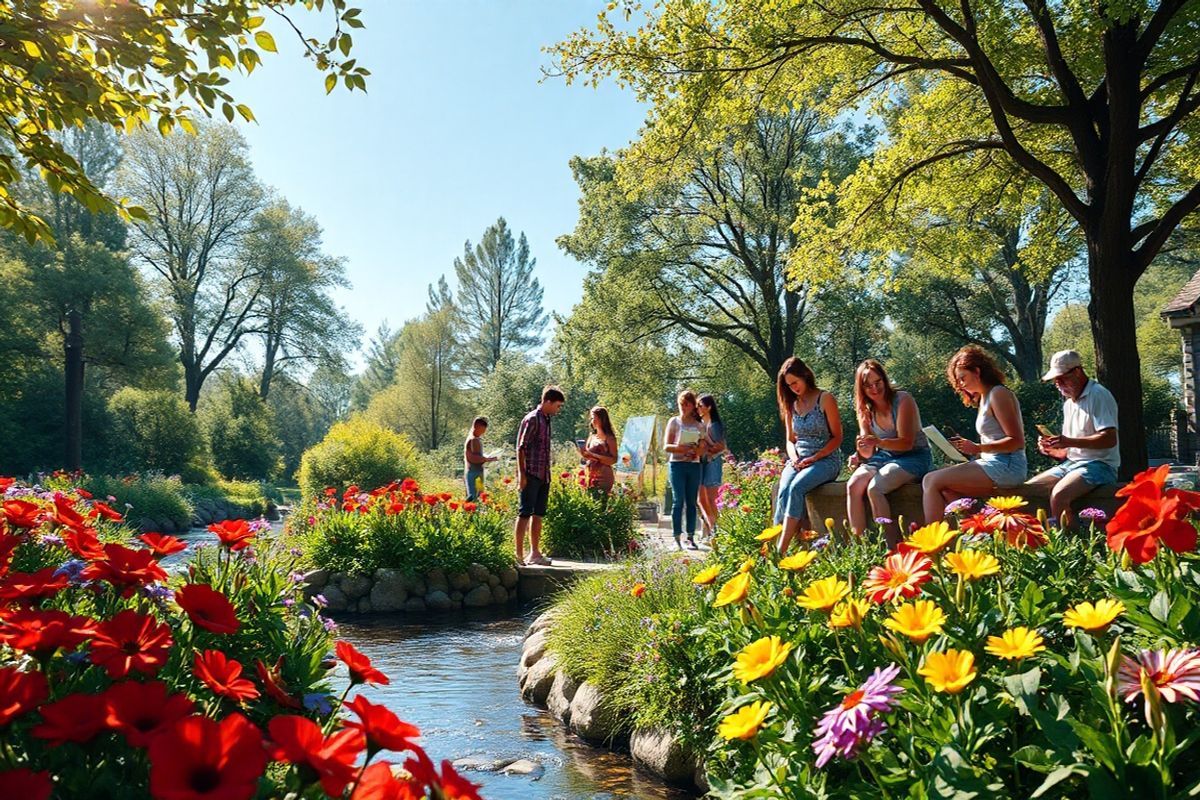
(117, 680)
(583, 523)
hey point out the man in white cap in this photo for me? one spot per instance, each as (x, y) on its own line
(1088, 444)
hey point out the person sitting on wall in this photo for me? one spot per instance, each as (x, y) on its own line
(1088, 443)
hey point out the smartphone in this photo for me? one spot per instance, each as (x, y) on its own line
(953, 433)
(580, 443)
(1044, 431)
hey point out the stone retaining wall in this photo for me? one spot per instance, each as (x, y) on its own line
(394, 590)
(584, 710)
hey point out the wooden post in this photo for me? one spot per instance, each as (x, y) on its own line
(73, 350)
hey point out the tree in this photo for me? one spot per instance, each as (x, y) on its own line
(241, 431)
(1099, 105)
(65, 63)
(202, 197)
(382, 361)
(296, 320)
(498, 297)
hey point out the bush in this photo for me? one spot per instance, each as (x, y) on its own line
(357, 453)
(253, 496)
(582, 523)
(241, 433)
(148, 496)
(153, 431)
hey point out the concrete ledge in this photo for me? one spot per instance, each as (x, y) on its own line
(538, 581)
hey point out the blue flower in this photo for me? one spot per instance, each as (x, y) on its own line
(321, 703)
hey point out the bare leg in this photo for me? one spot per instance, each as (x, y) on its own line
(1065, 492)
(856, 487)
(949, 483)
(890, 478)
(535, 537)
(519, 538)
(791, 527)
(708, 508)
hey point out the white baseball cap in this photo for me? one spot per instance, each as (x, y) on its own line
(1061, 363)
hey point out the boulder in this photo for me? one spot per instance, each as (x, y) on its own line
(459, 581)
(317, 578)
(524, 767)
(364, 605)
(147, 525)
(356, 586)
(535, 648)
(389, 575)
(456, 596)
(388, 595)
(562, 692)
(479, 764)
(414, 585)
(499, 595)
(493, 580)
(437, 600)
(543, 621)
(478, 597)
(415, 605)
(478, 572)
(335, 598)
(700, 777)
(509, 577)
(592, 716)
(435, 581)
(664, 754)
(535, 686)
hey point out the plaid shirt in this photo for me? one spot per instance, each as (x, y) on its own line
(534, 438)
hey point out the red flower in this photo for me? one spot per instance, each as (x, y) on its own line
(431, 499)
(233, 533)
(26, 784)
(20, 692)
(107, 511)
(298, 740)
(75, 718)
(379, 783)
(125, 568)
(141, 711)
(272, 679)
(900, 576)
(1144, 522)
(201, 759)
(453, 505)
(223, 676)
(381, 726)
(469, 506)
(359, 665)
(43, 632)
(977, 523)
(84, 493)
(444, 496)
(395, 508)
(65, 513)
(352, 489)
(84, 543)
(409, 485)
(32, 585)
(162, 545)
(455, 786)
(330, 491)
(20, 513)
(207, 608)
(7, 545)
(131, 641)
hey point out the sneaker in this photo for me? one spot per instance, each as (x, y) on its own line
(540, 561)
(692, 543)
(678, 543)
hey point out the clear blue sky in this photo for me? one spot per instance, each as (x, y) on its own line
(455, 130)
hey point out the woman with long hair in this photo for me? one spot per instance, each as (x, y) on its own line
(890, 451)
(710, 462)
(599, 452)
(814, 434)
(682, 438)
(999, 456)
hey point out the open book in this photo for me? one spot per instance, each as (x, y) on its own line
(689, 437)
(943, 444)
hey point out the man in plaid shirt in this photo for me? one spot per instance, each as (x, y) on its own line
(533, 473)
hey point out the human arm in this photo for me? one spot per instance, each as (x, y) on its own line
(834, 420)
(524, 435)
(906, 427)
(1008, 414)
(474, 452)
(609, 456)
(673, 446)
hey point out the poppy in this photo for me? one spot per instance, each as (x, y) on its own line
(84, 493)
(199, 758)
(162, 545)
(223, 676)
(359, 665)
(7, 545)
(431, 500)
(140, 711)
(455, 786)
(32, 585)
(330, 491)
(108, 512)
(381, 726)
(272, 679)
(75, 718)
(20, 692)
(299, 741)
(84, 543)
(379, 783)
(43, 632)
(131, 642)
(469, 506)
(1143, 523)
(20, 513)
(125, 568)
(207, 608)
(409, 485)
(234, 534)
(65, 513)
(26, 784)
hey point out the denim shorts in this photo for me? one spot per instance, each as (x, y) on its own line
(710, 473)
(1005, 469)
(1095, 473)
(914, 462)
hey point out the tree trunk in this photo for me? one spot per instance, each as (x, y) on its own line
(268, 373)
(192, 381)
(73, 350)
(1114, 330)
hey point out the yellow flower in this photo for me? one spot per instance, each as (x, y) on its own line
(759, 659)
(770, 533)
(1093, 617)
(829, 525)
(747, 565)
(734, 591)
(950, 671)
(638, 589)
(972, 565)
(1015, 644)
(745, 722)
(824, 594)
(798, 560)
(917, 620)
(849, 614)
(1011, 503)
(932, 538)
(706, 576)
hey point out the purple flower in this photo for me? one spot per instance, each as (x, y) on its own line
(158, 593)
(821, 543)
(288, 602)
(319, 600)
(329, 624)
(71, 569)
(296, 551)
(961, 505)
(1093, 515)
(51, 538)
(883, 521)
(851, 725)
(321, 703)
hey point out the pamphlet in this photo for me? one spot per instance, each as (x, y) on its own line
(689, 437)
(935, 436)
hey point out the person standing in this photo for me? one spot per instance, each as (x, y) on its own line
(533, 474)
(474, 459)
(999, 456)
(814, 434)
(599, 452)
(890, 451)
(683, 435)
(1088, 445)
(710, 462)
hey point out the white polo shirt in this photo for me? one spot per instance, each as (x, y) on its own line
(1093, 411)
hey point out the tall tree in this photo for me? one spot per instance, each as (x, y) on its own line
(1099, 104)
(297, 321)
(202, 198)
(382, 361)
(498, 297)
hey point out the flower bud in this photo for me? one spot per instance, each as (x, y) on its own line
(829, 524)
(1154, 709)
(1112, 665)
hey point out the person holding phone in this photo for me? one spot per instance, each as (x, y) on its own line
(711, 462)
(683, 443)
(474, 459)
(599, 451)
(999, 460)
(1088, 446)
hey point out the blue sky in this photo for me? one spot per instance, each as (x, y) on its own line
(455, 130)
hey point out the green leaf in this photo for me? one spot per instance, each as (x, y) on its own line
(1160, 607)
(1141, 752)
(227, 110)
(245, 111)
(1058, 776)
(1024, 689)
(266, 41)
(345, 43)
(330, 82)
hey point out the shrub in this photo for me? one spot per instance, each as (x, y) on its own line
(357, 453)
(153, 431)
(253, 496)
(241, 433)
(582, 523)
(150, 496)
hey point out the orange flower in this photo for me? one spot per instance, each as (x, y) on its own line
(900, 576)
(638, 589)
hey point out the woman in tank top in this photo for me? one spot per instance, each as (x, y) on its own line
(599, 452)
(814, 434)
(891, 449)
(999, 456)
(683, 439)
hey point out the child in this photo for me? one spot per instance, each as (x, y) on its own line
(474, 459)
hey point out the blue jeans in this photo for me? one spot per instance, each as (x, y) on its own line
(794, 485)
(470, 478)
(1095, 473)
(685, 486)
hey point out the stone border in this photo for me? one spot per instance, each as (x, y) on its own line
(583, 709)
(395, 590)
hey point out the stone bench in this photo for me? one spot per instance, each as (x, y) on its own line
(829, 501)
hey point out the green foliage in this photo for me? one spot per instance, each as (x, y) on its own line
(153, 430)
(357, 452)
(254, 497)
(241, 432)
(582, 523)
(150, 496)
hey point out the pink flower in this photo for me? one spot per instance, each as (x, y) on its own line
(1174, 672)
(850, 725)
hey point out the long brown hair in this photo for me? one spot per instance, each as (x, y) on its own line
(862, 404)
(783, 393)
(975, 358)
(601, 414)
(689, 395)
